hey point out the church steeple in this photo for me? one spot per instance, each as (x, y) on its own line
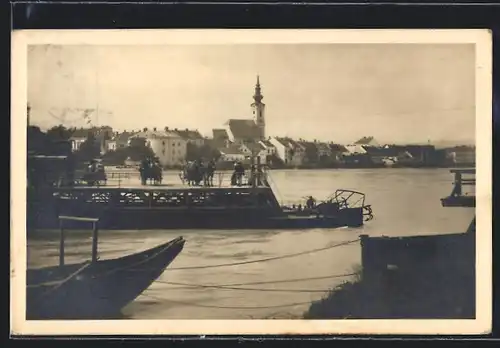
(258, 108)
(257, 95)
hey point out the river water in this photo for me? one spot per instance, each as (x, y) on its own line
(404, 201)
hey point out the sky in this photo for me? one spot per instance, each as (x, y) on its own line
(398, 93)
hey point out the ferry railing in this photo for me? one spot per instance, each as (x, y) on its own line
(221, 178)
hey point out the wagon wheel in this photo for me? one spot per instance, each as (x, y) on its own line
(101, 182)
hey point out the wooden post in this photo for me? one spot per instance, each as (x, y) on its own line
(61, 244)
(257, 169)
(458, 183)
(252, 170)
(364, 256)
(95, 241)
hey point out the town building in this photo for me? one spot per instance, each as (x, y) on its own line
(231, 153)
(354, 149)
(289, 151)
(324, 150)
(168, 146)
(242, 131)
(119, 140)
(191, 136)
(101, 135)
(367, 141)
(382, 156)
(268, 146)
(220, 138)
(461, 155)
(255, 150)
(337, 152)
(311, 155)
(411, 155)
(78, 137)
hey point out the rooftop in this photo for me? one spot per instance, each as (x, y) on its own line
(231, 150)
(122, 137)
(219, 134)
(243, 128)
(255, 147)
(367, 141)
(155, 134)
(188, 134)
(267, 143)
(289, 142)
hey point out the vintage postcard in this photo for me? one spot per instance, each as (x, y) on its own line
(251, 182)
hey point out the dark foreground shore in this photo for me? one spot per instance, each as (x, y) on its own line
(432, 299)
(431, 277)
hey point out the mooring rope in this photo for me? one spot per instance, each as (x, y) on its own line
(293, 280)
(246, 289)
(227, 307)
(263, 260)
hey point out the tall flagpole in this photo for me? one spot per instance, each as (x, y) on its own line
(97, 92)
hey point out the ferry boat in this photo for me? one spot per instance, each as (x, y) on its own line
(253, 206)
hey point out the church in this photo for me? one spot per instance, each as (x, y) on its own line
(246, 131)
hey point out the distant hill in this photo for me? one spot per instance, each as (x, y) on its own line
(452, 143)
(442, 143)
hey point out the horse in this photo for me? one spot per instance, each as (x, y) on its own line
(193, 174)
(186, 175)
(156, 174)
(151, 171)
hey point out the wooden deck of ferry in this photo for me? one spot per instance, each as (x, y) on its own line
(187, 207)
(175, 205)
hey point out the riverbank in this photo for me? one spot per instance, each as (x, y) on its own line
(431, 277)
(433, 299)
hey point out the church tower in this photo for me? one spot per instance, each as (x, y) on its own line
(258, 108)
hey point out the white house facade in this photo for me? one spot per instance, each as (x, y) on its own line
(169, 147)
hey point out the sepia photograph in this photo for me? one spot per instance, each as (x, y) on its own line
(251, 181)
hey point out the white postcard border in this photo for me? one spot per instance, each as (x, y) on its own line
(483, 43)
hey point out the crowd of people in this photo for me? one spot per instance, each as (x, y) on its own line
(194, 173)
(200, 173)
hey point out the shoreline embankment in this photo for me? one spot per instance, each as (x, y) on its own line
(421, 277)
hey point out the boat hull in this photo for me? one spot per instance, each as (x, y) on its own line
(100, 290)
(239, 219)
(459, 201)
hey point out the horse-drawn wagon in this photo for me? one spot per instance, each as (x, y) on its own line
(97, 178)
